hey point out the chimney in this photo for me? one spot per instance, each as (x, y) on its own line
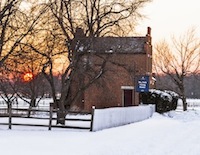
(79, 34)
(148, 31)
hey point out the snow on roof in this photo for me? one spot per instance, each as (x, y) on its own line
(119, 44)
(114, 44)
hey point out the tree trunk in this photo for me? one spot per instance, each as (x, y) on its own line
(61, 112)
(184, 104)
(182, 91)
(9, 104)
(62, 102)
(61, 117)
(33, 102)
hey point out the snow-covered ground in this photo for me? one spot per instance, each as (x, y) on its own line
(174, 133)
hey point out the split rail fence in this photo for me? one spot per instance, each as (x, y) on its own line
(99, 119)
(49, 117)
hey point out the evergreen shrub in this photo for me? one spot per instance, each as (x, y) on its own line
(164, 100)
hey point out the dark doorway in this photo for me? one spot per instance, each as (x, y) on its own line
(128, 97)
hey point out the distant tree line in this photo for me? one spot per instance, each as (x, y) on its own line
(28, 91)
(192, 85)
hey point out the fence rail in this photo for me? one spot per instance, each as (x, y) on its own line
(50, 116)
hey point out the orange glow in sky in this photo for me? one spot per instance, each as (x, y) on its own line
(28, 77)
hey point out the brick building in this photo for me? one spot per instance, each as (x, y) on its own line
(108, 68)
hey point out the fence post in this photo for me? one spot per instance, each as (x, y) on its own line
(92, 118)
(50, 115)
(29, 111)
(10, 116)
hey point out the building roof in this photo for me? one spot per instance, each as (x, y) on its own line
(118, 45)
(113, 44)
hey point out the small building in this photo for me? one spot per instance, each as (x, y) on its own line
(109, 68)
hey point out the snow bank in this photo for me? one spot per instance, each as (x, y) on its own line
(113, 117)
(190, 102)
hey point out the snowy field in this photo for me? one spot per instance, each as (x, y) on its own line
(174, 133)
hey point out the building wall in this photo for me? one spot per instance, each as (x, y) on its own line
(121, 72)
(121, 69)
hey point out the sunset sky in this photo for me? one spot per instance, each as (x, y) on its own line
(170, 17)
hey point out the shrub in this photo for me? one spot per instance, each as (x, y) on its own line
(164, 100)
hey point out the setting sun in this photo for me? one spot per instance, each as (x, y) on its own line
(28, 77)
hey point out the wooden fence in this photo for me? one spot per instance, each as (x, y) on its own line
(50, 116)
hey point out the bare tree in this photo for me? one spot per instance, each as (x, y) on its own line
(15, 25)
(6, 85)
(48, 43)
(23, 78)
(179, 60)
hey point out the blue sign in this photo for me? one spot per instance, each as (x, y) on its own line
(142, 84)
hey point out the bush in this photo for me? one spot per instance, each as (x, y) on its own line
(164, 100)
